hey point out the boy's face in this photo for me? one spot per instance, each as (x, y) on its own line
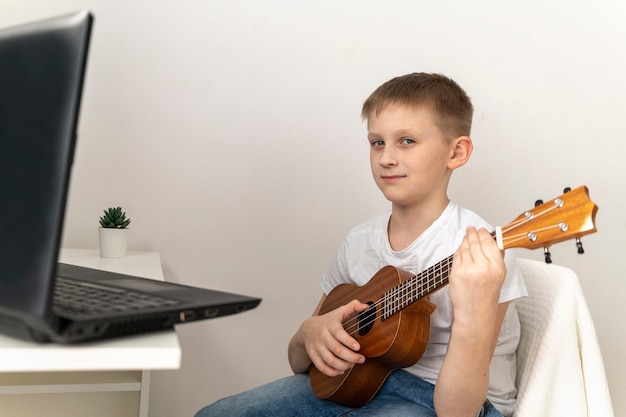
(409, 155)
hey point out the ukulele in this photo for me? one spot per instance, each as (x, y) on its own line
(393, 331)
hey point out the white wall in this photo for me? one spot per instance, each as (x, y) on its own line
(230, 132)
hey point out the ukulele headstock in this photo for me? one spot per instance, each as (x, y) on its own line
(568, 216)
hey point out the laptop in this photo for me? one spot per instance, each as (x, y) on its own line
(42, 69)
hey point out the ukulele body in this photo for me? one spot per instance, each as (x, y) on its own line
(388, 343)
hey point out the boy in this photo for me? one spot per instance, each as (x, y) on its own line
(418, 131)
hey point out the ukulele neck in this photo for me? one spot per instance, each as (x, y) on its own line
(417, 287)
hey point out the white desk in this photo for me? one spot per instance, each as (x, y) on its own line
(110, 378)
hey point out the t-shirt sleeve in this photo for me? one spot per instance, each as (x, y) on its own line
(337, 272)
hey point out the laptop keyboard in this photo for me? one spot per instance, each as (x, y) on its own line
(83, 299)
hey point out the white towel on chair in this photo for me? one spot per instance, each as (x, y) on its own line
(560, 367)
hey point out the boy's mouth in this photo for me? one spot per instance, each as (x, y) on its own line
(392, 178)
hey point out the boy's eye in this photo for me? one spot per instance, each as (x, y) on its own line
(407, 141)
(377, 143)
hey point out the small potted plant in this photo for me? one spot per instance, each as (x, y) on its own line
(113, 233)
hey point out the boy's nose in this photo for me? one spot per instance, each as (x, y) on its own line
(388, 157)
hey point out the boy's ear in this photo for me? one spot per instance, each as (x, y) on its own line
(461, 150)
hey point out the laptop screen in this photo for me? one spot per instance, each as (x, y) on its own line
(42, 67)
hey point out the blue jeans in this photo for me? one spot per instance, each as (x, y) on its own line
(402, 395)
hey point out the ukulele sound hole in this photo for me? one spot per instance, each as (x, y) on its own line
(366, 319)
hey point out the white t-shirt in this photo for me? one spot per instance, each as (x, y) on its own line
(366, 250)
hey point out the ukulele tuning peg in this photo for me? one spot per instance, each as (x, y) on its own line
(579, 245)
(546, 250)
(547, 255)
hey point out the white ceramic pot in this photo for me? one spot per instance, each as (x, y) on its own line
(113, 242)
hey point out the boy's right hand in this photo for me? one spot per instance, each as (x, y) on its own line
(331, 349)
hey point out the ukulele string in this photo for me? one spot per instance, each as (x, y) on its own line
(558, 203)
(358, 323)
(396, 299)
(524, 236)
(416, 287)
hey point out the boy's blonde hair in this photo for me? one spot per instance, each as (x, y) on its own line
(448, 101)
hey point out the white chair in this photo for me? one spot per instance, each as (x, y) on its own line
(560, 372)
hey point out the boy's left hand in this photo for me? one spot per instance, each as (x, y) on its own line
(477, 275)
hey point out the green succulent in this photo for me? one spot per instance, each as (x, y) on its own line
(114, 218)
